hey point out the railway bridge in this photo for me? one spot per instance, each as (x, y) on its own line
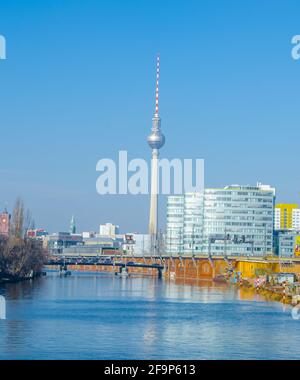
(82, 263)
(179, 266)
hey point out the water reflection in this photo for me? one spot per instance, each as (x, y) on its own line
(109, 317)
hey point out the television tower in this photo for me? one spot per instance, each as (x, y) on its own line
(156, 140)
(72, 226)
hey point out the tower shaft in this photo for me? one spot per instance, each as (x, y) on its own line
(153, 217)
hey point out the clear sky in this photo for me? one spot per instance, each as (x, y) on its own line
(78, 86)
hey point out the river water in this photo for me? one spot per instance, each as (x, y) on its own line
(100, 316)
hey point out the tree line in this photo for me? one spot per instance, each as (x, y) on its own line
(20, 257)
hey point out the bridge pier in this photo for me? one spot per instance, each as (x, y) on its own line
(64, 267)
(63, 270)
(159, 273)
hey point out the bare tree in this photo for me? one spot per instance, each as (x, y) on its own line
(19, 255)
(17, 221)
(28, 222)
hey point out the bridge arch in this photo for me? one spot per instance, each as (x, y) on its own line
(205, 269)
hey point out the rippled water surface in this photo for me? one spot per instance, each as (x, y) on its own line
(105, 317)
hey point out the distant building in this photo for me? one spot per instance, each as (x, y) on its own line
(72, 225)
(58, 241)
(287, 216)
(89, 234)
(77, 244)
(91, 250)
(4, 223)
(108, 229)
(38, 233)
(234, 220)
(280, 278)
(128, 244)
(97, 245)
(287, 243)
(102, 240)
(137, 244)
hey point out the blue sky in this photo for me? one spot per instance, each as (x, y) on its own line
(78, 86)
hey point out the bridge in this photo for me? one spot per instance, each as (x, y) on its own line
(63, 263)
(182, 266)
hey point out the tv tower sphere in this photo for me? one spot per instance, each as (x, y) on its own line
(156, 139)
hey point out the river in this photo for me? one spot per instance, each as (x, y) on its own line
(100, 316)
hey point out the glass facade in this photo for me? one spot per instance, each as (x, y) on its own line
(175, 223)
(286, 242)
(235, 220)
(193, 222)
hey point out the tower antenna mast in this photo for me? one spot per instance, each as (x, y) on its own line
(157, 87)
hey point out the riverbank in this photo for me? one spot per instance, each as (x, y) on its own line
(9, 279)
(12, 279)
(277, 293)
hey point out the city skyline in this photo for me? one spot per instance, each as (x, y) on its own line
(233, 94)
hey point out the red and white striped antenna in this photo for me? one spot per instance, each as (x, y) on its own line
(157, 86)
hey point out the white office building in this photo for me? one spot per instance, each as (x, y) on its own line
(277, 218)
(137, 244)
(296, 219)
(235, 220)
(108, 229)
(175, 224)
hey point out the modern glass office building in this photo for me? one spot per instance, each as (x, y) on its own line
(184, 223)
(238, 220)
(193, 223)
(287, 243)
(235, 220)
(175, 223)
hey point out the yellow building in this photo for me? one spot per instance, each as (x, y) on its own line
(297, 246)
(286, 215)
